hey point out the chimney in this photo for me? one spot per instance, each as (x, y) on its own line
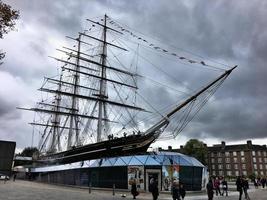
(223, 144)
(181, 146)
(249, 144)
(169, 148)
(160, 148)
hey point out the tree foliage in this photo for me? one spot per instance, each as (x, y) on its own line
(8, 17)
(29, 151)
(197, 149)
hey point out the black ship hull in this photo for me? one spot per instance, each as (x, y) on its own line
(129, 145)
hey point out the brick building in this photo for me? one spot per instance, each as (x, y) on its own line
(233, 160)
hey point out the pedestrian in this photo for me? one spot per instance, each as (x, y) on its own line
(5, 179)
(182, 191)
(255, 183)
(175, 191)
(239, 186)
(210, 189)
(263, 182)
(14, 177)
(134, 189)
(153, 188)
(224, 187)
(217, 186)
(245, 187)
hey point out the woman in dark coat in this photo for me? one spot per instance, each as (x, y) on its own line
(153, 188)
(182, 191)
(239, 186)
(134, 189)
(175, 191)
(210, 190)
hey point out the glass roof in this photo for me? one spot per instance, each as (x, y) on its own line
(149, 159)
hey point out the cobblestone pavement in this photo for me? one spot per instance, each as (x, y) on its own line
(25, 190)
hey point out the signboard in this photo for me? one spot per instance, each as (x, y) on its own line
(7, 150)
(136, 173)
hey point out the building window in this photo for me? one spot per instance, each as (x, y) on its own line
(237, 173)
(259, 153)
(219, 154)
(266, 167)
(256, 173)
(261, 166)
(244, 173)
(242, 153)
(219, 166)
(262, 173)
(243, 166)
(253, 153)
(264, 153)
(236, 166)
(227, 154)
(243, 159)
(260, 160)
(255, 166)
(235, 160)
(234, 153)
(213, 166)
(229, 173)
(212, 160)
(214, 173)
(227, 160)
(228, 166)
(254, 159)
(219, 160)
(221, 173)
(212, 154)
(265, 160)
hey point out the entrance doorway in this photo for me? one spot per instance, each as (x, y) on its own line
(153, 173)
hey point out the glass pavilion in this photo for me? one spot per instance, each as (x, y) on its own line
(163, 166)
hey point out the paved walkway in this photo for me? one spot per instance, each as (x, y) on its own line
(25, 190)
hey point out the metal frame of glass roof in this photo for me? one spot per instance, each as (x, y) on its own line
(149, 159)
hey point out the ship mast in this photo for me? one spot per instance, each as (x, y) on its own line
(102, 89)
(74, 106)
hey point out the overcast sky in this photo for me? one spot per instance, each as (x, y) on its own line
(232, 32)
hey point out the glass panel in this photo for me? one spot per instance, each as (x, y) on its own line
(126, 159)
(152, 161)
(135, 161)
(142, 159)
(119, 162)
(106, 163)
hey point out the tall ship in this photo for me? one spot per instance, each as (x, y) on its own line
(93, 108)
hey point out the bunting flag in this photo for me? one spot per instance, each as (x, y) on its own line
(156, 47)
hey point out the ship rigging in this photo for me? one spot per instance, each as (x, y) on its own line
(93, 109)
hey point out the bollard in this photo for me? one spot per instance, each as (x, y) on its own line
(113, 189)
(90, 187)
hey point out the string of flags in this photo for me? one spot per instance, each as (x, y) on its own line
(157, 47)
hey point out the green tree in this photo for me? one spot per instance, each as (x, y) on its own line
(29, 151)
(8, 17)
(197, 149)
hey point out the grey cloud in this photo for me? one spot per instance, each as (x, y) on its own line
(233, 32)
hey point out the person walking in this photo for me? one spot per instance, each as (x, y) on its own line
(210, 189)
(217, 186)
(224, 187)
(175, 191)
(134, 189)
(14, 177)
(153, 188)
(182, 191)
(263, 182)
(245, 187)
(239, 186)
